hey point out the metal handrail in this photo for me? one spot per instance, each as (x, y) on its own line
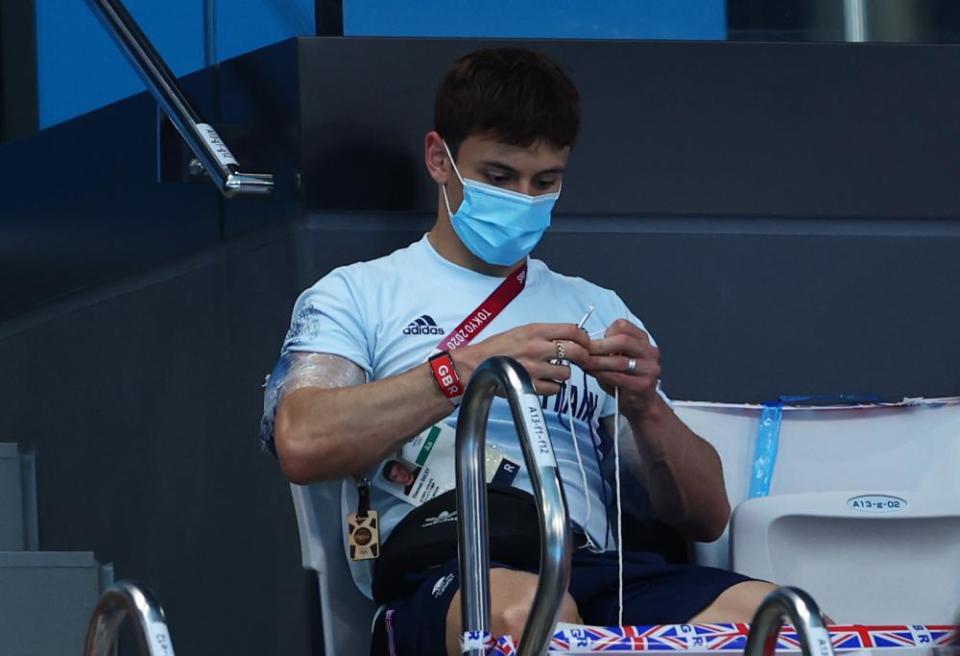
(124, 599)
(216, 158)
(496, 374)
(797, 606)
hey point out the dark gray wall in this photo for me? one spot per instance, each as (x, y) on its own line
(142, 402)
(81, 204)
(713, 129)
(747, 311)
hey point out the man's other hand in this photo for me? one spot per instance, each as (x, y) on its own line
(625, 358)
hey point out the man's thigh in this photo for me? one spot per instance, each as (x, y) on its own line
(427, 621)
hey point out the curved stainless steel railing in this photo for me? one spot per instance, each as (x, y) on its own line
(120, 600)
(788, 604)
(501, 373)
(203, 140)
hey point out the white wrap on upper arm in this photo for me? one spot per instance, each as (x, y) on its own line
(322, 370)
(296, 370)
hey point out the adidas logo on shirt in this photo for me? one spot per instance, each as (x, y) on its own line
(425, 325)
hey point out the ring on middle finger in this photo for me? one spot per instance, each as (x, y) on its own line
(560, 354)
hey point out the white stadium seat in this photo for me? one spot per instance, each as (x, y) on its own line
(345, 612)
(863, 510)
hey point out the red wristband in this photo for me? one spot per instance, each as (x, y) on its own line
(446, 376)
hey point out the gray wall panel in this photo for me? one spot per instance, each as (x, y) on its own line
(669, 128)
(748, 317)
(143, 408)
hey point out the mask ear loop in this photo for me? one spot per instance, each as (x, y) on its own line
(452, 163)
(446, 199)
(443, 187)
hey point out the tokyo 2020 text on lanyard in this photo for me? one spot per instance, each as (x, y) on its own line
(487, 311)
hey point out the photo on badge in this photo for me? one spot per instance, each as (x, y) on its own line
(397, 476)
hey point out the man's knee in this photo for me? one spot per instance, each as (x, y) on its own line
(738, 603)
(511, 619)
(511, 595)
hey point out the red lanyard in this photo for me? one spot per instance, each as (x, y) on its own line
(487, 311)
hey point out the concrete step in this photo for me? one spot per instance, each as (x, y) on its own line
(46, 600)
(18, 499)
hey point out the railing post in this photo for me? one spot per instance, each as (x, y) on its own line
(121, 600)
(203, 140)
(788, 604)
(496, 374)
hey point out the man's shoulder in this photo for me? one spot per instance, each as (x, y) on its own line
(390, 266)
(571, 283)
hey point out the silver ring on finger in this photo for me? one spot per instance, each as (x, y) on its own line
(631, 365)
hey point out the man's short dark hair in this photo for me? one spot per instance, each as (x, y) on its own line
(513, 95)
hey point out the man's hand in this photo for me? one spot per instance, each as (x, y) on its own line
(625, 358)
(534, 346)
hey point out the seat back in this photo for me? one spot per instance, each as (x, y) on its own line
(345, 612)
(864, 503)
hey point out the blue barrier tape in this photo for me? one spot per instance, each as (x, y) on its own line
(768, 435)
(765, 451)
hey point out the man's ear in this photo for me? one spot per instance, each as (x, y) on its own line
(435, 157)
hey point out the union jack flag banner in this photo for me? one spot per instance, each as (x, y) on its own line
(733, 637)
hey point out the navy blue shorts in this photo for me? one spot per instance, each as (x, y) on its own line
(654, 592)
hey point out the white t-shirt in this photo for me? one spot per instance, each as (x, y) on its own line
(386, 315)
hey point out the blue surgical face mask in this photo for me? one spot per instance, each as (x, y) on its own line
(498, 225)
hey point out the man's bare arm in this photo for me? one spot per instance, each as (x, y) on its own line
(680, 470)
(331, 432)
(327, 431)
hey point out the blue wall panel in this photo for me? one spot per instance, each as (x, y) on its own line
(565, 19)
(79, 68)
(245, 25)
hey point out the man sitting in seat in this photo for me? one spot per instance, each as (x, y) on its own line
(356, 383)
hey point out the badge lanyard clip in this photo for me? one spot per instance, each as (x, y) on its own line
(363, 526)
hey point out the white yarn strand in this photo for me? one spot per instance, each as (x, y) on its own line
(576, 449)
(616, 464)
